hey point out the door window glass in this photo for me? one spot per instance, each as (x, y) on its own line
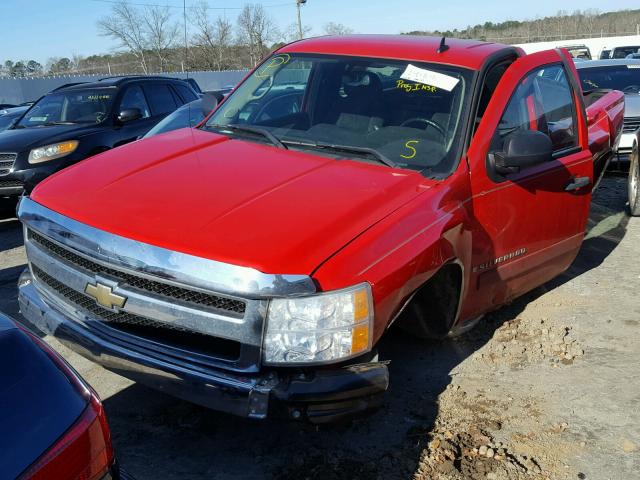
(543, 101)
(161, 99)
(186, 93)
(134, 98)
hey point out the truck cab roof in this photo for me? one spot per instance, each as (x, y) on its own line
(471, 54)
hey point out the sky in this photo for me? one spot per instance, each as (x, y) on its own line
(39, 29)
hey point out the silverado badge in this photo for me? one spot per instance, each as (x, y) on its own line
(104, 296)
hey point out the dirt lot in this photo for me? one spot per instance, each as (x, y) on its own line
(548, 387)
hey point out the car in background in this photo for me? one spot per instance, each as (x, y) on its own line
(188, 115)
(76, 121)
(620, 74)
(52, 424)
(9, 115)
(191, 114)
(194, 85)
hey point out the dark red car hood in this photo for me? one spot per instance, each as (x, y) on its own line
(250, 204)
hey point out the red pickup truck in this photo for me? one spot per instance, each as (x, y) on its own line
(253, 264)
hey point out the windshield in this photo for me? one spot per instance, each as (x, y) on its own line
(75, 106)
(622, 52)
(188, 115)
(617, 77)
(406, 114)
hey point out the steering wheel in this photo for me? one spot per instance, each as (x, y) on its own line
(429, 123)
(632, 88)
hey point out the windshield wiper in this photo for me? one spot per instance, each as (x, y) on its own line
(51, 124)
(347, 149)
(251, 129)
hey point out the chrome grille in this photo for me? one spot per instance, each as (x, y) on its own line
(169, 334)
(6, 162)
(89, 305)
(10, 183)
(631, 124)
(216, 302)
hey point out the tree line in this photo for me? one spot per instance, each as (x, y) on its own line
(562, 26)
(152, 39)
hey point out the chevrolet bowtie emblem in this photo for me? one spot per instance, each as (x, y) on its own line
(104, 296)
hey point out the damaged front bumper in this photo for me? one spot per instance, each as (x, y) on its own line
(320, 395)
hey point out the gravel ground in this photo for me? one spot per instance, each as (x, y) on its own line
(545, 388)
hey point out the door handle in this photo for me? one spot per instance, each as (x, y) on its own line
(577, 183)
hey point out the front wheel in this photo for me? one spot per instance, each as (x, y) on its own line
(634, 181)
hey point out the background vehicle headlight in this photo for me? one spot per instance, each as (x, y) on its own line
(53, 151)
(321, 328)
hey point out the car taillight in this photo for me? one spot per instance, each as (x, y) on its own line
(84, 451)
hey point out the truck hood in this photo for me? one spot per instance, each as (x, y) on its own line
(231, 200)
(23, 139)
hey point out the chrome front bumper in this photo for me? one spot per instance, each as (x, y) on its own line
(240, 395)
(319, 396)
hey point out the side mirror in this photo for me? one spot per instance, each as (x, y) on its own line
(210, 100)
(129, 115)
(522, 149)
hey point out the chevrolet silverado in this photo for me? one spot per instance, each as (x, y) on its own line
(253, 264)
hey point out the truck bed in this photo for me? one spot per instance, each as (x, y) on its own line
(605, 112)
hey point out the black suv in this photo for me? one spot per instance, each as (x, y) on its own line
(78, 120)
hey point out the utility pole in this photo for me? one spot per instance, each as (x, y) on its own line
(186, 43)
(299, 4)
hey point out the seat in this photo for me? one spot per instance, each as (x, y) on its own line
(360, 110)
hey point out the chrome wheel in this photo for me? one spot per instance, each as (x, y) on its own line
(634, 180)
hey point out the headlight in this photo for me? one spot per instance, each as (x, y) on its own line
(321, 328)
(51, 152)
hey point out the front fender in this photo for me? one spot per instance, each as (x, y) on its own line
(403, 251)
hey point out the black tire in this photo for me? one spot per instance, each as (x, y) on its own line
(432, 311)
(634, 180)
